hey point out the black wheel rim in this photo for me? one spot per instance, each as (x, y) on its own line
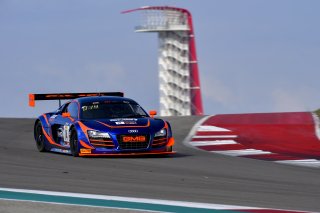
(74, 144)
(39, 135)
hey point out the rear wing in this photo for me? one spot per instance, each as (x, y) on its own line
(67, 96)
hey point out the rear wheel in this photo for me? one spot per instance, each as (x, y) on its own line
(39, 137)
(74, 143)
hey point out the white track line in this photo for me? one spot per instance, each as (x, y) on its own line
(212, 129)
(316, 124)
(242, 152)
(215, 136)
(304, 162)
(193, 131)
(214, 143)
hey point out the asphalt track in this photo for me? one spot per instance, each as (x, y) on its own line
(190, 175)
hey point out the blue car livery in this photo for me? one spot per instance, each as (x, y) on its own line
(98, 124)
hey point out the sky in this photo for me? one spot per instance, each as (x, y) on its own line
(254, 55)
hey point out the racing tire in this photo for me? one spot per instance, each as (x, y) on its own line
(74, 145)
(39, 137)
(169, 148)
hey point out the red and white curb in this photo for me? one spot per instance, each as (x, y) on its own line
(220, 140)
(317, 125)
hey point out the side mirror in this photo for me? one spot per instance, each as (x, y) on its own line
(66, 114)
(152, 113)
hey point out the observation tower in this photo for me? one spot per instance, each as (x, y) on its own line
(180, 92)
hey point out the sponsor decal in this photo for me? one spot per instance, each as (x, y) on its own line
(52, 117)
(125, 121)
(130, 122)
(85, 151)
(66, 133)
(91, 107)
(119, 122)
(133, 131)
(127, 139)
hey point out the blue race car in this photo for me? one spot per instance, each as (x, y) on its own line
(98, 124)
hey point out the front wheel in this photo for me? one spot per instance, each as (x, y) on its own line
(39, 137)
(74, 143)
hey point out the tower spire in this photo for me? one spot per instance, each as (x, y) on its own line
(180, 92)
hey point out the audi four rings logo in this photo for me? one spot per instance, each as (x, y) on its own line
(133, 131)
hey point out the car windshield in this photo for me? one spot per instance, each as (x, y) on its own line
(109, 110)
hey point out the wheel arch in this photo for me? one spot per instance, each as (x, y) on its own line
(170, 134)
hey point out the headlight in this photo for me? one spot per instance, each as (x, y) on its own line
(161, 133)
(97, 134)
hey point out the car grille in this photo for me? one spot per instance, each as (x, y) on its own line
(104, 143)
(132, 145)
(159, 142)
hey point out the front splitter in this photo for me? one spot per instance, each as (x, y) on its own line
(129, 154)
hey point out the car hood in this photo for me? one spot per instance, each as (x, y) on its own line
(123, 124)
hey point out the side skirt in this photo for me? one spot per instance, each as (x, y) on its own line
(64, 151)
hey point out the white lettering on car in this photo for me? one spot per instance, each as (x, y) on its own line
(66, 132)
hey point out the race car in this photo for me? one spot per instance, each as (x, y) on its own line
(98, 124)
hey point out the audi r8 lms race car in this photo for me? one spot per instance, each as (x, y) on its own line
(97, 124)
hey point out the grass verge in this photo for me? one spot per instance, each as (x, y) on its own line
(317, 112)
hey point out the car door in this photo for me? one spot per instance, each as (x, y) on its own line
(60, 124)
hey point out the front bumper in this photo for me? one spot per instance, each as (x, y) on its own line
(149, 153)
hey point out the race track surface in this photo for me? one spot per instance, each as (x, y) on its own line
(190, 175)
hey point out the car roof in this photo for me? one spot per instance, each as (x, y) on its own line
(103, 98)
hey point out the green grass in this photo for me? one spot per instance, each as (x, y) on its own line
(317, 112)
